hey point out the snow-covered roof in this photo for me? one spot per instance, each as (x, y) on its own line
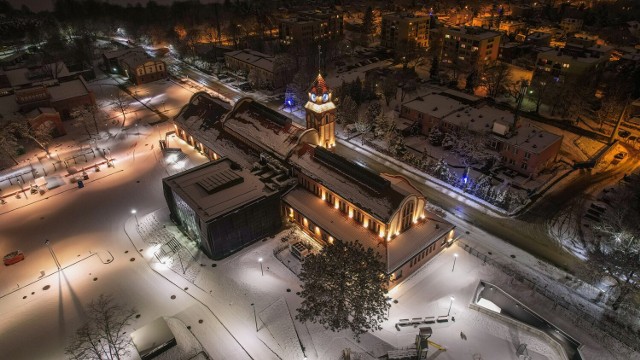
(136, 59)
(532, 139)
(331, 220)
(112, 54)
(435, 105)
(253, 57)
(8, 105)
(258, 124)
(336, 80)
(202, 118)
(479, 120)
(216, 188)
(23, 76)
(68, 89)
(40, 110)
(404, 246)
(396, 252)
(380, 197)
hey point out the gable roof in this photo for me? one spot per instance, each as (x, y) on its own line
(266, 128)
(378, 195)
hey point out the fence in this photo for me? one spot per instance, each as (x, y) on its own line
(578, 316)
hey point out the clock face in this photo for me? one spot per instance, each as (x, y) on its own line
(325, 97)
(313, 97)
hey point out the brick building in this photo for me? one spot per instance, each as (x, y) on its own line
(398, 30)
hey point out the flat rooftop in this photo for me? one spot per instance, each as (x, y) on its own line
(216, 188)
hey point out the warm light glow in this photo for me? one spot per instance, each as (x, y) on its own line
(337, 205)
(317, 230)
(290, 212)
(330, 239)
(305, 222)
(422, 216)
(415, 221)
(397, 232)
(382, 233)
(324, 196)
(365, 223)
(350, 213)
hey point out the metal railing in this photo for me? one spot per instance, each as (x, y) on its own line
(598, 327)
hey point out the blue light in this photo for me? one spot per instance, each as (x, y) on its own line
(465, 179)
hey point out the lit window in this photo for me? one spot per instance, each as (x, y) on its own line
(447, 36)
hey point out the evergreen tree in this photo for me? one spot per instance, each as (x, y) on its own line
(368, 26)
(435, 68)
(344, 287)
(347, 111)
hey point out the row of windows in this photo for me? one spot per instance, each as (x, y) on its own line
(523, 166)
(331, 200)
(416, 259)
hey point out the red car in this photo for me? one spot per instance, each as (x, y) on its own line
(13, 257)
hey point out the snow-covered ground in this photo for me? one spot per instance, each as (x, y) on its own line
(88, 227)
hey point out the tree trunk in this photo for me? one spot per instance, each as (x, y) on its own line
(10, 156)
(625, 289)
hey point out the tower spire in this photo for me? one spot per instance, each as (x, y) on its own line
(319, 53)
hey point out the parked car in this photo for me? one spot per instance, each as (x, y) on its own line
(13, 257)
(621, 155)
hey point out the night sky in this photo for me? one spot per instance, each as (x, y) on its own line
(39, 5)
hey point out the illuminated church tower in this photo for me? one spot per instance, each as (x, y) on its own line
(321, 113)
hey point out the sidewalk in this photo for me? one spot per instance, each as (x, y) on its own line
(237, 327)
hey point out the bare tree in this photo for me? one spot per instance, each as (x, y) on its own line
(617, 248)
(83, 118)
(389, 88)
(103, 336)
(40, 135)
(495, 78)
(120, 102)
(540, 83)
(8, 142)
(363, 125)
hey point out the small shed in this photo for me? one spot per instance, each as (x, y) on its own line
(153, 339)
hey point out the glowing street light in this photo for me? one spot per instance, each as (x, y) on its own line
(450, 304)
(455, 257)
(261, 269)
(135, 214)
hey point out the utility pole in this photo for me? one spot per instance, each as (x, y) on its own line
(620, 118)
(524, 85)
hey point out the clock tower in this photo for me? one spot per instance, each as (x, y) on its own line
(321, 112)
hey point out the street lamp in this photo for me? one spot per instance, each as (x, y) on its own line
(261, 269)
(255, 318)
(22, 189)
(455, 257)
(135, 214)
(450, 304)
(53, 255)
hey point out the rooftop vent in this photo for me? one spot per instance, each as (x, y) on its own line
(219, 181)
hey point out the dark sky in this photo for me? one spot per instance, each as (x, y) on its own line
(39, 5)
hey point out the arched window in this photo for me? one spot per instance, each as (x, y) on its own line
(407, 215)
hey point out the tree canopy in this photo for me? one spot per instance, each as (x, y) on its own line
(344, 288)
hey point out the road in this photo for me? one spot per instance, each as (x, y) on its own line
(527, 231)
